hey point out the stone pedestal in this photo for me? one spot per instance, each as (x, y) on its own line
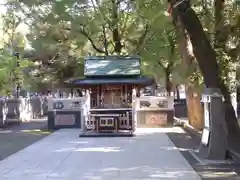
(13, 110)
(65, 113)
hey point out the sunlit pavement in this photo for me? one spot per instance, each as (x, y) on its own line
(150, 155)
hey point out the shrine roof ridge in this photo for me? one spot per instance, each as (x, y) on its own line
(111, 57)
(112, 65)
(137, 80)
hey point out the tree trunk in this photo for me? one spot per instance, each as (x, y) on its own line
(168, 82)
(177, 92)
(194, 107)
(207, 61)
(193, 97)
(115, 28)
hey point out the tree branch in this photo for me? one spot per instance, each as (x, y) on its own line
(125, 20)
(115, 32)
(83, 32)
(103, 16)
(142, 38)
(105, 41)
(159, 62)
(149, 38)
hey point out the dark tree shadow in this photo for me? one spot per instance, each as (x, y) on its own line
(189, 141)
(15, 136)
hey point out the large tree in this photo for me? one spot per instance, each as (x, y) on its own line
(160, 54)
(207, 60)
(63, 32)
(13, 65)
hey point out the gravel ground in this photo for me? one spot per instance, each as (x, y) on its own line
(18, 136)
(188, 141)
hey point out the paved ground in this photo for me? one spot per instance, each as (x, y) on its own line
(64, 156)
(16, 137)
(187, 141)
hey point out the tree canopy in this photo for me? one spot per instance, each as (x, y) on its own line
(62, 33)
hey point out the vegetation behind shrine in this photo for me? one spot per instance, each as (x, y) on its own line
(61, 33)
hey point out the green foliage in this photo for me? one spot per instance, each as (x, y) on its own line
(160, 55)
(10, 73)
(224, 33)
(63, 32)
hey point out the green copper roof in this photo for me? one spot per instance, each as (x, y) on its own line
(111, 66)
(138, 80)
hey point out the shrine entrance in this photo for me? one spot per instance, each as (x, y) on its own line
(109, 82)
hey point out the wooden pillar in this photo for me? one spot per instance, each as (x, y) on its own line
(137, 91)
(98, 95)
(71, 91)
(125, 93)
(116, 124)
(101, 95)
(122, 93)
(97, 124)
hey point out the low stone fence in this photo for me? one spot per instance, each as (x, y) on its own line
(154, 111)
(23, 109)
(65, 112)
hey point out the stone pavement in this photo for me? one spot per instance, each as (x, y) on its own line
(15, 137)
(64, 156)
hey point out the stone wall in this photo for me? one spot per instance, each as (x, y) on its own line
(65, 113)
(21, 110)
(154, 111)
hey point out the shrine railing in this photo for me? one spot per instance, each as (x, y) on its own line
(154, 102)
(66, 112)
(153, 110)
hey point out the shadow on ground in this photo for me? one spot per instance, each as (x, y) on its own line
(15, 137)
(187, 141)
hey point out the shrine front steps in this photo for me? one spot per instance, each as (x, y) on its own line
(107, 134)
